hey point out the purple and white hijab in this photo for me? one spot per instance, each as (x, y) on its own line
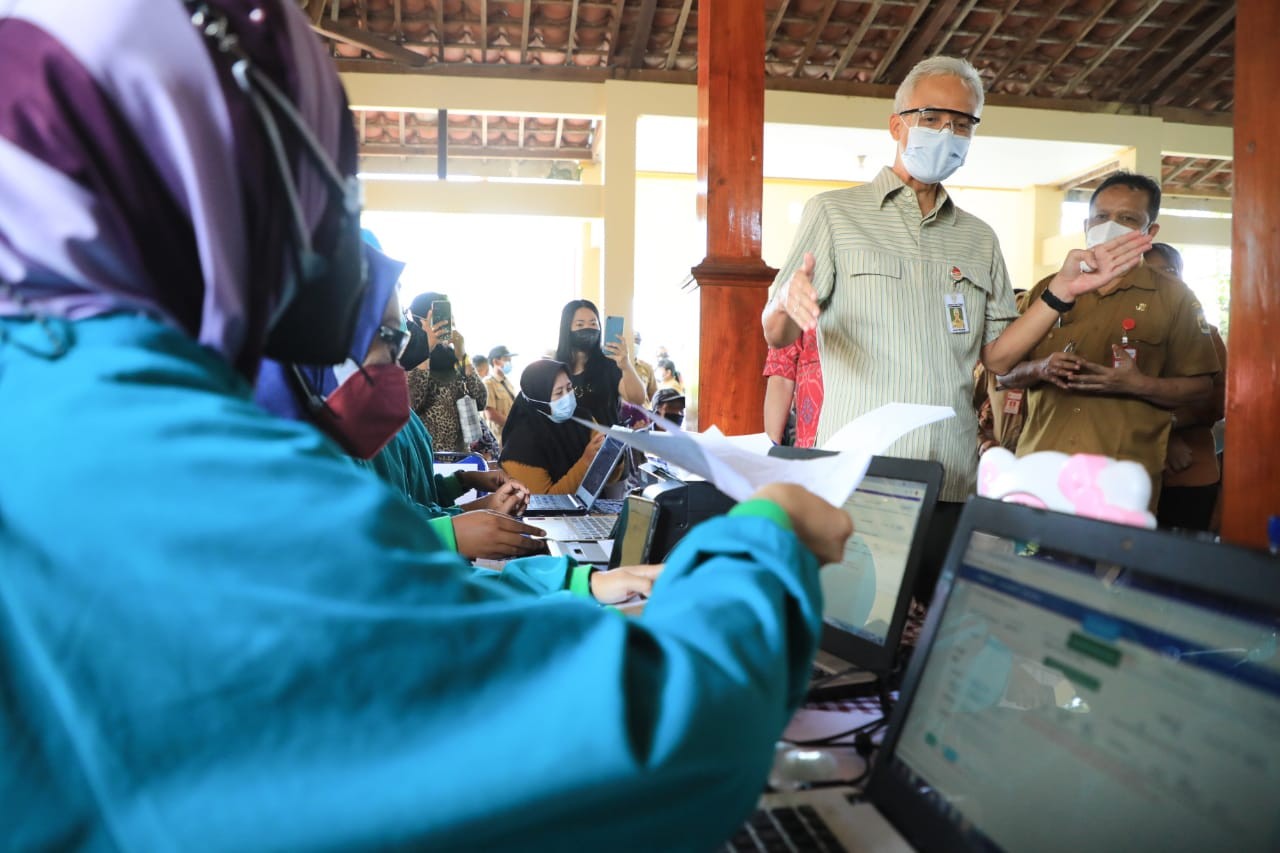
(134, 178)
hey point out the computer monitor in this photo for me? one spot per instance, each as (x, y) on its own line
(1085, 686)
(867, 595)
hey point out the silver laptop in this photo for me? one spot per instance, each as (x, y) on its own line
(627, 543)
(593, 483)
(1079, 686)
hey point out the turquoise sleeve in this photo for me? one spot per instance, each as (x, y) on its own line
(244, 641)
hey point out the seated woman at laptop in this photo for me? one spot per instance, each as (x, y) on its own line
(219, 633)
(541, 445)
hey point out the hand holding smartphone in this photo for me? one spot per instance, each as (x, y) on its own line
(442, 312)
(613, 329)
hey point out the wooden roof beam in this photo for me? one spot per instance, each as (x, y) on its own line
(1138, 20)
(903, 34)
(573, 33)
(1178, 170)
(1165, 33)
(353, 35)
(1193, 51)
(856, 39)
(775, 23)
(816, 33)
(1205, 174)
(615, 27)
(674, 49)
(939, 14)
(439, 30)
(955, 26)
(524, 36)
(1003, 16)
(644, 26)
(1029, 42)
(1071, 44)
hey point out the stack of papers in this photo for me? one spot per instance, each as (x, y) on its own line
(740, 465)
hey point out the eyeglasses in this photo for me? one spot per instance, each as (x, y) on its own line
(397, 339)
(961, 124)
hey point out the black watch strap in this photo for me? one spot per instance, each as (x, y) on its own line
(1055, 303)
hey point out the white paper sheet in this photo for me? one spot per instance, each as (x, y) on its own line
(740, 465)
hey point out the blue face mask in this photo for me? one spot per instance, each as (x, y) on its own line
(563, 409)
(932, 156)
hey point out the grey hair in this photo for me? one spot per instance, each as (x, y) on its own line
(940, 66)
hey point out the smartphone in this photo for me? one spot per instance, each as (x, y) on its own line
(612, 331)
(442, 312)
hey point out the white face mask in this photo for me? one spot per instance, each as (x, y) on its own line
(1104, 232)
(932, 156)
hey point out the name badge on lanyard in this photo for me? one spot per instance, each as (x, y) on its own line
(957, 316)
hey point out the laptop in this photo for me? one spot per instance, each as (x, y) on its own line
(628, 543)
(867, 595)
(593, 483)
(1079, 685)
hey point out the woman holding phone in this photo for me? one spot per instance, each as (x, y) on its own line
(603, 373)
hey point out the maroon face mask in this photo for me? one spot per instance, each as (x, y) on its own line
(366, 411)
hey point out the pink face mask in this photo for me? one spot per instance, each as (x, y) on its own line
(367, 410)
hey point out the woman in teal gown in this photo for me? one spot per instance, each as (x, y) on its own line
(216, 633)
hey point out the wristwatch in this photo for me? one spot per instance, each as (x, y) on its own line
(1055, 303)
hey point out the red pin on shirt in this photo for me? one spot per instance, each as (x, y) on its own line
(1128, 324)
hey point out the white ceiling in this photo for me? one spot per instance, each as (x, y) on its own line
(669, 144)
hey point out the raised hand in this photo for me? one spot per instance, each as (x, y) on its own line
(1105, 263)
(799, 298)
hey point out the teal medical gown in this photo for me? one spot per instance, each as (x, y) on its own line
(216, 633)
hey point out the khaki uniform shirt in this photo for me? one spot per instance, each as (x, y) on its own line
(1171, 338)
(645, 371)
(889, 280)
(501, 397)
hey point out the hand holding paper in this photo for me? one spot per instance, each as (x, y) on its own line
(738, 467)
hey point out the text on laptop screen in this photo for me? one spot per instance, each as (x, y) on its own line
(601, 467)
(1066, 705)
(861, 590)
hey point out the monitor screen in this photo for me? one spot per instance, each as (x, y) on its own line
(639, 516)
(601, 467)
(1067, 705)
(862, 589)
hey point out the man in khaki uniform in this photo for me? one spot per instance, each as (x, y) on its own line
(1107, 378)
(501, 393)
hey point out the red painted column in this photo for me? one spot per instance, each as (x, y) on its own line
(733, 280)
(1251, 479)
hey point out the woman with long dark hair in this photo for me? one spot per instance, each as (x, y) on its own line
(602, 376)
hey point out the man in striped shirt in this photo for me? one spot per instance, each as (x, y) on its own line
(908, 292)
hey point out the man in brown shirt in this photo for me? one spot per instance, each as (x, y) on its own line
(1106, 379)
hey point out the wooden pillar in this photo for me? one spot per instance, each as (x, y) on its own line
(1251, 481)
(733, 279)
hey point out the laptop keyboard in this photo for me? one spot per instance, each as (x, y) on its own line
(784, 829)
(590, 526)
(542, 503)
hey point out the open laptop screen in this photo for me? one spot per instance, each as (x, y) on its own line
(861, 591)
(600, 469)
(1071, 704)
